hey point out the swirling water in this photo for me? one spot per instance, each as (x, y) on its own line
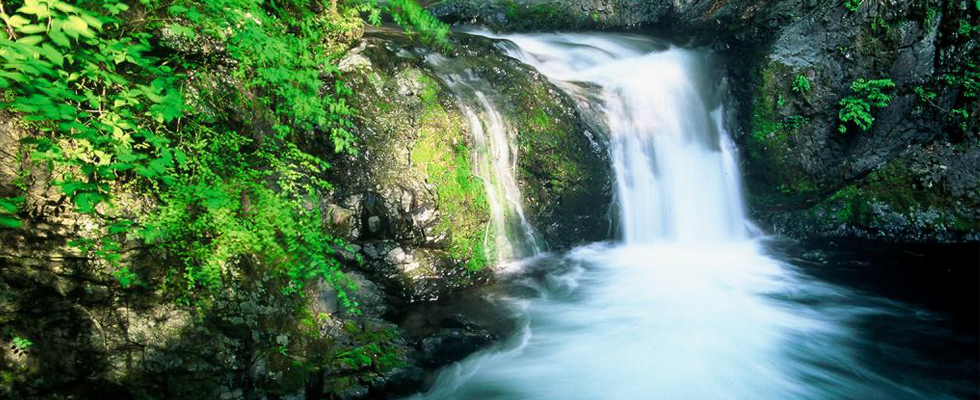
(688, 305)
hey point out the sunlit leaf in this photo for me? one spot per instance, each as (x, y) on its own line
(75, 26)
(8, 221)
(31, 40)
(10, 204)
(16, 21)
(32, 29)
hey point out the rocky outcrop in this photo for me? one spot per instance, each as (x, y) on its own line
(812, 174)
(394, 198)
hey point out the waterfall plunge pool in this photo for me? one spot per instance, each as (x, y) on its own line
(690, 304)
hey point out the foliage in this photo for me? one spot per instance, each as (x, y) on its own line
(8, 211)
(801, 84)
(856, 108)
(853, 5)
(967, 78)
(377, 352)
(112, 105)
(409, 14)
(22, 344)
(846, 204)
(797, 121)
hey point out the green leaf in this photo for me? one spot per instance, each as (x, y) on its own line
(57, 36)
(181, 30)
(70, 187)
(16, 21)
(14, 76)
(127, 157)
(32, 29)
(145, 172)
(86, 202)
(75, 26)
(92, 21)
(120, 226)
(66, 8)
(177, 9)
(160, 165)
(115, 9)
(8, 221)
(180, 156)
(9, 204)
(31, 40)
(51, 54)
(120, 166)
(33, 7)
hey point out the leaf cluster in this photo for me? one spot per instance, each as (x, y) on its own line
(856, 108)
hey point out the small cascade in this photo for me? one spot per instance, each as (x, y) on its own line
(496, 162)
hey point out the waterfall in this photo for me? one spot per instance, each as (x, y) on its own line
(688, 306)
(672, 156)
(676, 178)
(496, 162)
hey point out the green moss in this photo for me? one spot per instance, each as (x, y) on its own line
(897, 188)
(540, 120)
(770, 144)
(445, 159)
(547, 15)
(847, 205)
(546, 137)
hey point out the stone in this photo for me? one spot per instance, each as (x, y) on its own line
(374, 224)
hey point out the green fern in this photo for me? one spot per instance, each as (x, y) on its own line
(801, 84)
(853, 5)
(856, 108)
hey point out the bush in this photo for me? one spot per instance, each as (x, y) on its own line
(110, 105)
(853, 5)
(856, 108)
(801, 84)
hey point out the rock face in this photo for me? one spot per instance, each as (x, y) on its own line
(908, 176)
(554, 14)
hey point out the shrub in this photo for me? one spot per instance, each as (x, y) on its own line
(801, 84)
(853, 5)
(856, 108)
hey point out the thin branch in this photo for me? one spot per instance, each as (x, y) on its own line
(10, 30)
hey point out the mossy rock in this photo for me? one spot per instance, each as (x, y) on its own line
(415, 139)
(563, 167)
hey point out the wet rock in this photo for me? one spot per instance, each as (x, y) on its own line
(457, 339)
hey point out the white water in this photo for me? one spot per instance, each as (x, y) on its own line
(688, 306)
(496, 164)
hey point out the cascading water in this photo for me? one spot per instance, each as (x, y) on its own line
(497, 160)
(688, 307)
